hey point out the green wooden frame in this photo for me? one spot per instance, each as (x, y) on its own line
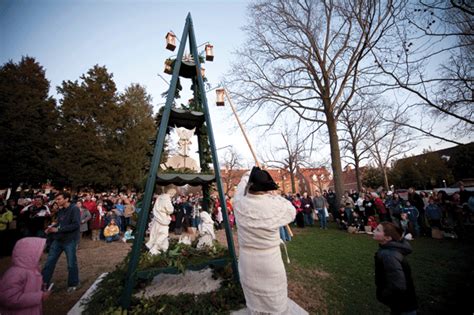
(132, 273)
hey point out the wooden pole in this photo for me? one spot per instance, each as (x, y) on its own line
(248, 142)
(241, 127)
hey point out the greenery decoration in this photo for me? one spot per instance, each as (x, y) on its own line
(105, 299)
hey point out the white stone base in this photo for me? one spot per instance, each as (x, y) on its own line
(293, 309)
(78, 308)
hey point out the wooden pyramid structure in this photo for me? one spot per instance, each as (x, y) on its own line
(199, 119)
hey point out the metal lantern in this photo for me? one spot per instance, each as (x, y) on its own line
(170, 41)
(209, 52)
(168, 68)
(220, 97)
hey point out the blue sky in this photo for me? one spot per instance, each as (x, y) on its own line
(68, 37)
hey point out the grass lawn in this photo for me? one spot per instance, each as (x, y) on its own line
(332, 272)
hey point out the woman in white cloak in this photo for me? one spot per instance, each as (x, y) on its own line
(259, 215)
(159, 229)
(206, 230)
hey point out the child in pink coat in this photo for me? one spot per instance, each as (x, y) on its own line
(21, 284)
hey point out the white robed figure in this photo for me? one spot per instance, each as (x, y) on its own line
(159, 229)
(206, 230)
(259, 215)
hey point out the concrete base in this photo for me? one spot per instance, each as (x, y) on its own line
(293, 309)
(78, 308)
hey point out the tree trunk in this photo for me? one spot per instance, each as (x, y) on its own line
(385, 178)
(357, 171)
(292, 178)
(335, 157)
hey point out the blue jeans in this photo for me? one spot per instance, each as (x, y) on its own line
(55, 251)
(323, 222)
(284, 235)
(308, 218)
(112, 238)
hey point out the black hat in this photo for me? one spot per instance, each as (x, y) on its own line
(260, 180)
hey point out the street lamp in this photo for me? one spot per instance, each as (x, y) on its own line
(444, 183)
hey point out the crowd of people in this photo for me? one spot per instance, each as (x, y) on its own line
(108, 216)
(415, 213)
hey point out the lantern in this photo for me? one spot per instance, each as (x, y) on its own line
(220, 97)
(168, 68)
(209, 52)
(170, 41)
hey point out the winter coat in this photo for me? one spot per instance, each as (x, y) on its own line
(111, 230)
(85, 217)
(433, 212)
(98, 220)
(20, 285)
(393, 278)
(307, 205)
(5, 218)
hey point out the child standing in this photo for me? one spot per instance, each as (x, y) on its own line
(393, 279)
(20, 286)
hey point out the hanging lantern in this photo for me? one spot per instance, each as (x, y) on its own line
(170, 41)
(168, 68)
(220, 97)
(203, 72)
(209, 52)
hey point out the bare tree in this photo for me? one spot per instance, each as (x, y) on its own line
(434, 65)
(357, 122)
(389, 140)
(305, 58)
(290, 156)
(232, 162)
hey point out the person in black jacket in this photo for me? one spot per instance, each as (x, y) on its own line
(65, 233)
(393, 278)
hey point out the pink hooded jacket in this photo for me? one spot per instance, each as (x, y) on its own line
(20, 285)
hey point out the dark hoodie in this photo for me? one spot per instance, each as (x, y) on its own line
(393, 277)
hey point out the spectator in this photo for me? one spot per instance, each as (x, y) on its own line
(393, 278)
(36, 215)
(433, 213)
(127, 236)
(112, 232)
(21, 284)
(413, 215)
(307, 206)
(320, 205)
(85, 217)
(6, 217)
(65, 234)
(406, 226)
(380, 208)
(416, 201)
(97, 222)
(299, 211)
(395, 207)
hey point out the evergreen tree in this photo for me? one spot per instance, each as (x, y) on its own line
(138, 127)
(89, 130)
(28, 119)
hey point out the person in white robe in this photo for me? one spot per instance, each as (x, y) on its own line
(206, 230)
(159, 229)
(259, 214)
